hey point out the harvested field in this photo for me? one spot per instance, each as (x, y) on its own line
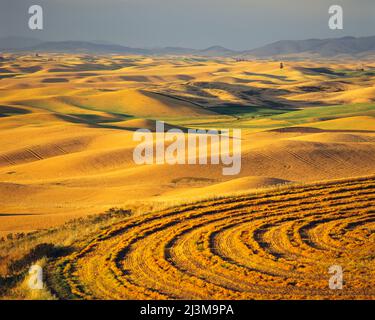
(272, 245)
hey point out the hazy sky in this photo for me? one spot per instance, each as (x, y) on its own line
(236, 24)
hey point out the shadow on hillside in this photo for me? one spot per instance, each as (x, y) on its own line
(7, 111)
(316, 130)
(266, 75)
(95, 121)
(325, 71)
(262, 97)
(43, 250)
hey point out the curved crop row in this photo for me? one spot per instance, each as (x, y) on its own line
(273, 245)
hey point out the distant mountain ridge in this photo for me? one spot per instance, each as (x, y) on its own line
(349, 46)
(322, 47)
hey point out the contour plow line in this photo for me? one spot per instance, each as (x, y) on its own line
(273, 245)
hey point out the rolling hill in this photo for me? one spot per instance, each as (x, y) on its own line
(345, 46)
(322, 47)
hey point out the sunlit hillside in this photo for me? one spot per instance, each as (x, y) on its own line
(67, 124)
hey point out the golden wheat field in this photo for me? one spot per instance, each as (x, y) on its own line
(303, 201)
